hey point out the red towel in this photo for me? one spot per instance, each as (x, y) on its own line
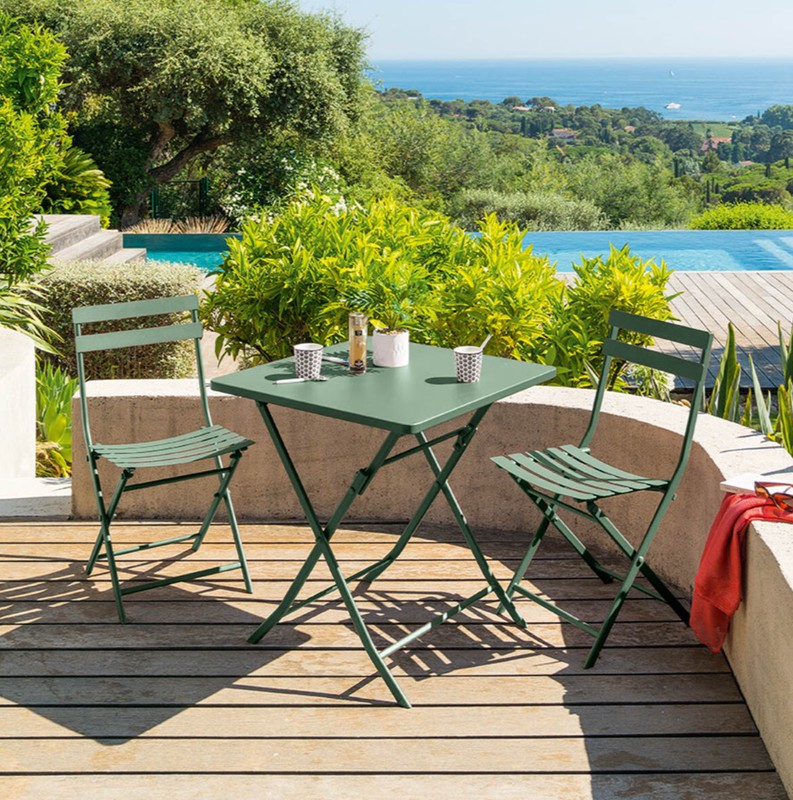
(717, 587)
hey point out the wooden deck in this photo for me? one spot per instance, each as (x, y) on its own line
(177, 705)
(753, 301)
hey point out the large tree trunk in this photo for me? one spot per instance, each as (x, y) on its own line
(132, 213)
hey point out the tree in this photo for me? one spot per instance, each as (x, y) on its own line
(32, 137)
(781, 146)
(781, 116)
(182, 78)
(680, 137)
(711, 162)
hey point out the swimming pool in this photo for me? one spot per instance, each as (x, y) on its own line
(684, 251)
(205, 250)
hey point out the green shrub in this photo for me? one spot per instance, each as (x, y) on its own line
(536, 211)
(578, 322)
(295, 277)
(289, 277)
(79, 187)
(744, 216)
(499, 288)
(67, 286)
(32, 133)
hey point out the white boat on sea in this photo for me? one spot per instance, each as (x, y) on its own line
(672, 105)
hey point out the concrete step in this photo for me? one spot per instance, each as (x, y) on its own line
(65, 230)
(98, 246)
(127, 255)
(36, 497)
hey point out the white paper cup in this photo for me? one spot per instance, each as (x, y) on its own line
(308, 360)
(468, 363)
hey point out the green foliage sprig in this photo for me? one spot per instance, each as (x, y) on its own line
(32, 133)
(756, 409)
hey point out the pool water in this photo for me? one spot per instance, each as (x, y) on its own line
(685, 251)
(205, 250)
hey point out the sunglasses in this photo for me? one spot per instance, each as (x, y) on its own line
(783, 500)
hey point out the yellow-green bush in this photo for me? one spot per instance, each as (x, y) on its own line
(295, 276)
(744, 216)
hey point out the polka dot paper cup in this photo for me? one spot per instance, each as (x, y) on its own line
(468, 363)
(308, 360)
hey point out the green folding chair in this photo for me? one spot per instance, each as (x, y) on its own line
(569, 477)
(208, 442)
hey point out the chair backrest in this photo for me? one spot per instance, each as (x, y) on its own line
(692, 370)
(158, 334)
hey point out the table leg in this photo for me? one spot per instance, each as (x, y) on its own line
(441, 476)
(322, 548)
(462, 523)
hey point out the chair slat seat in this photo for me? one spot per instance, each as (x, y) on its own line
(205, 443)
(572, 472)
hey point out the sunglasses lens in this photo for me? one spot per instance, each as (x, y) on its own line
(784, 501)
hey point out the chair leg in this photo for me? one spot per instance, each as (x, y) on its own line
(616, 606)
(216, 498)
(105, 518)
(224, 495)
(665, 593)
(527, 558)
(235, 532)
(574, 542)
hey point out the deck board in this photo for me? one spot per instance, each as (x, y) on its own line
(176, 704)
(753, 301)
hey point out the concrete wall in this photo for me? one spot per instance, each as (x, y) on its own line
(639, 434)
(17, 406)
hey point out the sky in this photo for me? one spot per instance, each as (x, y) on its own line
(467, 29)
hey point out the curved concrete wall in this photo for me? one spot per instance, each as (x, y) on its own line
(639, 434)
(17, 406)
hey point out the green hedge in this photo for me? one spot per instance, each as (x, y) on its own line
(85, 283)
(744, 216)
(533, 211)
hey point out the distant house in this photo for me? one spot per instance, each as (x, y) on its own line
(522, 108)
(564, 135)
(630, 129)
(745, 163)
(714, 142)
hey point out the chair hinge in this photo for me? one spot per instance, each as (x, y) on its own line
(361, 481)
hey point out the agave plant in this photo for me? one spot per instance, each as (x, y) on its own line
(54, 392)
(781, 429)
(725, 400)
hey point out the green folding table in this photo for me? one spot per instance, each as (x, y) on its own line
(405, 401)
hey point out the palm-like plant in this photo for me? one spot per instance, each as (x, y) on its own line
(54, 392)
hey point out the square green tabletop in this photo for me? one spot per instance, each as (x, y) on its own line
(406, 400)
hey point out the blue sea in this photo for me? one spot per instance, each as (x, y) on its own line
(705, 89)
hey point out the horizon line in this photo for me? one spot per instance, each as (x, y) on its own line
(589, 58)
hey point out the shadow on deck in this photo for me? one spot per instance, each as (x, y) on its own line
(177, 704)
